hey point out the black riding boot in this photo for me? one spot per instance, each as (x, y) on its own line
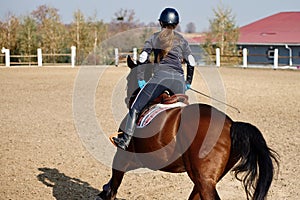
(123, 142)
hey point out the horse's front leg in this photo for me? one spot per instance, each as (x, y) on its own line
(123, 162)
(110, 189)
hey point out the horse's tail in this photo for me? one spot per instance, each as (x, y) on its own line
(256, 159)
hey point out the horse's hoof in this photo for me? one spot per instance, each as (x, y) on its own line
(100, 196)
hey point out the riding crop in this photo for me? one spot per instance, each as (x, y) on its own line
(215, 99)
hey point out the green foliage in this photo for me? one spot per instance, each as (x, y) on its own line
(43, 28)
(8, 33)
(86, 35)
(27, 39)
(51, 32)
(223, 33)
(123, 20)
(27, 36)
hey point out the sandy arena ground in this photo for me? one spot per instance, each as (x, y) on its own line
(43, 157)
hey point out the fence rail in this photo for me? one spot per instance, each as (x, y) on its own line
(2, 58)
(121, 56)
(57, 54)
(35, 59)
(241, 58)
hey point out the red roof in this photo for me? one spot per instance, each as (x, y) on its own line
(281, 28)
(194, 38)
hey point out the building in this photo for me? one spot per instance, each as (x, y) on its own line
(279, 31)
(195, 40)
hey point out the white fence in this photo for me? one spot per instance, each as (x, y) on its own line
(245, 58)
(39, 57)
(121, 56)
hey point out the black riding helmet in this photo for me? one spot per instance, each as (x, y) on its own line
(169, 16)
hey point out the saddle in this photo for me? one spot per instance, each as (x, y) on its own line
(162, 103)
(166, 98)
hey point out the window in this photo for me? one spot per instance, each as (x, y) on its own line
(271, 53)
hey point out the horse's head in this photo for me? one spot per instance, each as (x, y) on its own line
(132, 82)
(130, 62)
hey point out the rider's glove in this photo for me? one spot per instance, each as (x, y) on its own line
(187, 86)
(141, 83)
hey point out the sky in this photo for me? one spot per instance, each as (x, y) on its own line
(197, 11)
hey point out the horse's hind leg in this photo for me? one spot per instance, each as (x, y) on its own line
(205, 173)
(208, 190)
(204, 190)
(195, 194)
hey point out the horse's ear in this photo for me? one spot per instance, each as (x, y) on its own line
(130, 62)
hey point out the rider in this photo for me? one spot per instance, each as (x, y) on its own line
(170, 50)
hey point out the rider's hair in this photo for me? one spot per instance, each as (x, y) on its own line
(166, 39)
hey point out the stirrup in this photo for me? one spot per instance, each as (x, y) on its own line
(114, 135)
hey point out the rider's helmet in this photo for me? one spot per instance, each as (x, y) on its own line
(169, 16)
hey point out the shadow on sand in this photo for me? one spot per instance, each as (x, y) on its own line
(65, 187)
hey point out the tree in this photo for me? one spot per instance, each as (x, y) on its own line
(190, 28)
(223, 32)
(98, 30)
(79, 34)
(27, 36)
(86, 35)
(51, 31)
(8, 33)
(123, 20)
(97, 34)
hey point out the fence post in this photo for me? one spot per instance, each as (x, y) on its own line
(39, 57)
(134, 55)
(7, 56)
(116, 57)
(73, 55)
(245, 54)
(275, 58)
(218, 59)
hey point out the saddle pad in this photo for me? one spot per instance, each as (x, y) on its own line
(153, 111)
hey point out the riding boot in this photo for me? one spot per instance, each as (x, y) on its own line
(124, 141)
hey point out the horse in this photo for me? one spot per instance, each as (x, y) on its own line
(200, 140)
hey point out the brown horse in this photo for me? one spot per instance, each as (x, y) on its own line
(202, 141)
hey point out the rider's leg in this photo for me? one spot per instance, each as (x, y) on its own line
(148, 93)
(123, 142)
